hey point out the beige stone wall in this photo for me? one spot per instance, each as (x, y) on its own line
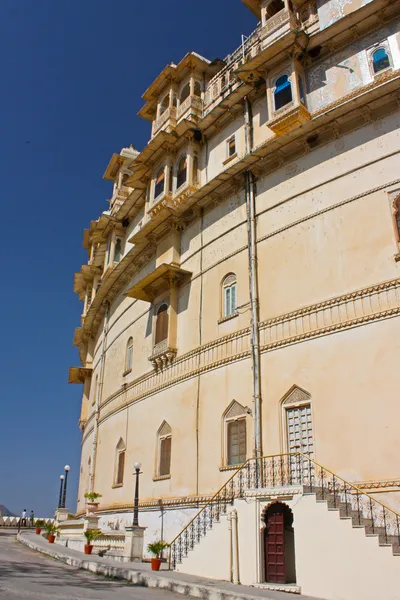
(325, 229)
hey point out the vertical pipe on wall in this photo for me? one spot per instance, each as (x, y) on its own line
(99, 390)
(253, 285)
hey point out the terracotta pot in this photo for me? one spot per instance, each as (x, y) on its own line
(88, 549)
(51, 539)
(38, 530)
(156, 564)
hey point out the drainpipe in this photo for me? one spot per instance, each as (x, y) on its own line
(253, 286)
(99, 390)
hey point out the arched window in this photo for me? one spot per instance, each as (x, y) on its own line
(164, 104)
(181, 175)
(380, 60)
(229, 295)
(162, 324)
(282, 92)
(120, 463)
(185, 93)
(197, 89)
(164, 436)
(129, 355)
(273, 8)
(160, 183)
(117, 250)
(235, 434)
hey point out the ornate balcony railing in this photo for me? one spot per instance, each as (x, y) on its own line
(193, 105)
(168, 118)
(283, 470)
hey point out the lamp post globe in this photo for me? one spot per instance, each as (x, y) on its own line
(137, 466)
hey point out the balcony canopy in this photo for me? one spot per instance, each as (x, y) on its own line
(156, 282)
(79, 374)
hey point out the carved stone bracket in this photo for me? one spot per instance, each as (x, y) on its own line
(163, 356)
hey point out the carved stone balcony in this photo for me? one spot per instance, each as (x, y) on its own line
(191, 109)
(119, 198)
(160, 203)
(277, 26)
(289, 117)
(165, 122)
(162, 356)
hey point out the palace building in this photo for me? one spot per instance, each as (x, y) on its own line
(241, 306)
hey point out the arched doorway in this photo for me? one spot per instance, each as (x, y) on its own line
(279, 544)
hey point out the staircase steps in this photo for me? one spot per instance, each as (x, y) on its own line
(359, 521)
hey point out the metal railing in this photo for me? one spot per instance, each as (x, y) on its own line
(291, 469)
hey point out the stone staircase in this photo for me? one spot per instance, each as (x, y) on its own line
(358, 519)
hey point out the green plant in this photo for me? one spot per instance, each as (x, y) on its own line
(51, 529)
(91, 534)
(157, 547)
(39, 523)
(92, 496)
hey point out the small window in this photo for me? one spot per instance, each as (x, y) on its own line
(129, 355)
(231, 146)
(380, 60)
(165, 456)
(162, 324)
(197, 89)
(236, 434)
(164, 104)
(160, 182)
(164, 450)
(283, 92)
(182, 172)
(273, 8)
(96, 385)
(117, 251)
(185, 93)
(108, 251)
(120, 468)
(396, 206)
(229, 295)
(120, 463)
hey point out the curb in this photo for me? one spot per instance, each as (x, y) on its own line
(141, 578)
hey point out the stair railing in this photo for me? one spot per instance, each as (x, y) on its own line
(283, 470)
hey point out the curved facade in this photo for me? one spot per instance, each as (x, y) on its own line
(242, 294)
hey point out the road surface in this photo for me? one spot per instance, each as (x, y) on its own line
(25, 575)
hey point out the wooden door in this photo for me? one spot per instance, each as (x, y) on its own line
(275, 545)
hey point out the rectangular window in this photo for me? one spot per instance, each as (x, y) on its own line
(231, 146)
(121, 468)
(230, 301)
(165, 456)
(236, 431)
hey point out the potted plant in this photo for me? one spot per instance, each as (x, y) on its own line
(52, 531)
(90, 535)
(156, 548)
(39, 523)
(91, 504)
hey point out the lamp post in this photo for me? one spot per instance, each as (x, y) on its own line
(137, 466)
(66, 469)
(61, 491)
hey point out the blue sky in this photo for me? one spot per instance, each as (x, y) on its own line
(72, 78)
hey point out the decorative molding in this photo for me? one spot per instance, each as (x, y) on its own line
(361, 307)
(296, 396)
(379, 485)
(235, 410)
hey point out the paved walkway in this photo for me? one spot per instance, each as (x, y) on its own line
(27, 575)
(140, 574)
